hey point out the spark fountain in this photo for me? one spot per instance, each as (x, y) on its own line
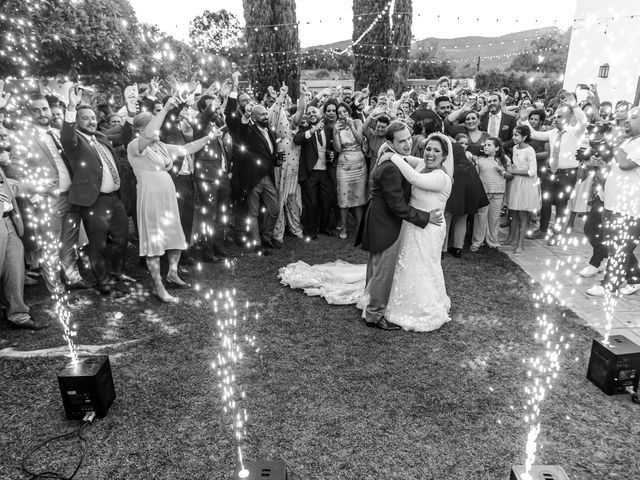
(228, 320)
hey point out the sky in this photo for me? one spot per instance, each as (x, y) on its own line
(334, 22)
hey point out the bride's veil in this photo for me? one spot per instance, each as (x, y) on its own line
(447, 165)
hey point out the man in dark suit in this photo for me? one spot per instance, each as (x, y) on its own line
(44, 165)
(380, 227)
(498, 123)
(252, 178)
(314, 174)
(95, 188)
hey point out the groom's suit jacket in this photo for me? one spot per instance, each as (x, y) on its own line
(387, 208)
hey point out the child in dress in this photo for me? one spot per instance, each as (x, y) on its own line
(492, 171)
(463, 140)
(524, 189)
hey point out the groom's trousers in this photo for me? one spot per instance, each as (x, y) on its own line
(380, 269)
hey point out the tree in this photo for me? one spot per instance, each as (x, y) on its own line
(96, 40)
(367, 70)
(216, 31)
(495, 79)
(428, 65)
(549, 56)
(288, 42)
(317, 59)
(274, 49)
(401, 38)
(162, 55)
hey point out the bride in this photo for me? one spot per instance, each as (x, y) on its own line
(418, 299)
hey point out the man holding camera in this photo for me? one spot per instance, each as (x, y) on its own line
(317, 158)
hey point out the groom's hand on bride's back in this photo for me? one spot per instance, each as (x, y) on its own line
(436, 217)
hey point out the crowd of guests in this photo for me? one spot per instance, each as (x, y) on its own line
(179, 170)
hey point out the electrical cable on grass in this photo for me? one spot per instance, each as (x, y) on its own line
(56, 475)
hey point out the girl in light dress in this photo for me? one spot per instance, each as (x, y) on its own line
(524, 197)
(492, 170)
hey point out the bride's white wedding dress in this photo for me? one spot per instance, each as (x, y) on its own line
(418, 299)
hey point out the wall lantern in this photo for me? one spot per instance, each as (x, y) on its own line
(603, 71)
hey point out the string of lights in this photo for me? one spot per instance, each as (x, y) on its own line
(370, 27)
(440, 16)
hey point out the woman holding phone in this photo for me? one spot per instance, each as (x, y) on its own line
(351, 171)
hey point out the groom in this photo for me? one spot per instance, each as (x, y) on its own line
(380, 227)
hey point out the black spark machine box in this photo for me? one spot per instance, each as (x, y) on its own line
(539, 472)
(273, 470)
(614, 366)
(87, 386)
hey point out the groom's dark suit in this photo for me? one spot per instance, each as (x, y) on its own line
(379, 232)
(388, 206)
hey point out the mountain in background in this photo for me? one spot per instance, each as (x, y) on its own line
(494, 52)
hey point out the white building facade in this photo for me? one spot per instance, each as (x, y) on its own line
(605, 49)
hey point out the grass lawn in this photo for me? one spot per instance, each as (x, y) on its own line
(331, 397)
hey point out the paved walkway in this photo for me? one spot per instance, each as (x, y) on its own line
(539, 259)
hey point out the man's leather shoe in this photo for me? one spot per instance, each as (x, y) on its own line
(538, 234)
(81, 284)
(456, 252)
(104, 289)
(385, 324)
(327, 232)
(273, 244)
(208, 257)
(220, 252)
(31, 324)
(123, 277)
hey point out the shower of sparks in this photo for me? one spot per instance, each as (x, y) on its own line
(51, 249)
(544, 370)
(226, 364)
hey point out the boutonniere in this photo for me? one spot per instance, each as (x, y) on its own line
(505, 127)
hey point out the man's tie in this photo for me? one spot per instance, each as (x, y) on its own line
(105, 158)
(58, 145)
(319, 137)
(554, 161)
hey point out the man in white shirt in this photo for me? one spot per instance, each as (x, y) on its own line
(622, 214)
(564, 141)
(44, 166)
